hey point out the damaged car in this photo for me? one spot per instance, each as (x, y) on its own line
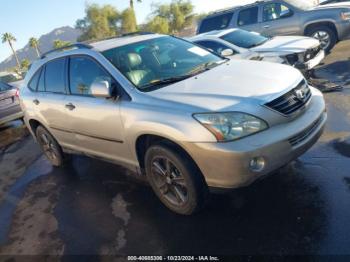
(303, 53)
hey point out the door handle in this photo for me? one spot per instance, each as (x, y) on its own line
(70, 106)
(266, 26)
(36, 101)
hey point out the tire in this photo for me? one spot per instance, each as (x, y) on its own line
(324, 32)
(182, 189)
(50, 147)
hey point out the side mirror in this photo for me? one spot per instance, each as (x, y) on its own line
(227, 52)
(100, 89)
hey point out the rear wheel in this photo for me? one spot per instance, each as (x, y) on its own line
(50, 147)
(325, 35)
(175, 179)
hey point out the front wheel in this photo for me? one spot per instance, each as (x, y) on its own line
(175, 179)
(325, 35)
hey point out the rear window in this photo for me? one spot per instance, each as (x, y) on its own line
(215, 23)
(4, 87)
(248, 16)
(55, 76)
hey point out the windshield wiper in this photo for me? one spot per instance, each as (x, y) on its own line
(170, 80)
(203, 67)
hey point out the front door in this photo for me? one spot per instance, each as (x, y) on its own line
(279, 19)
(96, 121)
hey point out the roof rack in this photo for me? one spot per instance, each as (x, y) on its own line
(136, 33)
(73, 46)
(223, 10)
(118, 36)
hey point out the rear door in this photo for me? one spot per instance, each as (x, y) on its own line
(9, 104)
(248, 19)
(49, 100)
(96, 121)
(279, 19)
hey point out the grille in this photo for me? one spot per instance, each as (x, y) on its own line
(297, 139)
(292, 101)
(311, 53)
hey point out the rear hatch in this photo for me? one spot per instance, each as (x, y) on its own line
(9, 102)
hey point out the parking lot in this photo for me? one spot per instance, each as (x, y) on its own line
(92, 207)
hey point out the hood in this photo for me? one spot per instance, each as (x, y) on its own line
(331, 6)
(287, 44)
(232, 85)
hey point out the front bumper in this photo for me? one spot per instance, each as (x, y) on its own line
(226, 165)
(343, 30)
(312, 62)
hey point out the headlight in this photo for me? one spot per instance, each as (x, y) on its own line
(345, 16)
(231, 126)
(292, 59)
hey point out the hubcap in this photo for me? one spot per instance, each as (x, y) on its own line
(170, 181)
(48, 147)
(323, 37)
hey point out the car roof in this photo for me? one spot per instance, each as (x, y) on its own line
(212, 34)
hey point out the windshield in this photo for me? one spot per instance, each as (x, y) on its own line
(303, 4)
(156, 62)
(244, 39)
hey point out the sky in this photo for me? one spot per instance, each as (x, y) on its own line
(33, 18)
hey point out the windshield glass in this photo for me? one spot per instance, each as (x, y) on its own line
(156, 62)
(303, 4)
(244, 39)
(4, 87)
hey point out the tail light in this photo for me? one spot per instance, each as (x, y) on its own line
(17, 93)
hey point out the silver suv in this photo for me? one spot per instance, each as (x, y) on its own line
(327, 23)
(163, 107)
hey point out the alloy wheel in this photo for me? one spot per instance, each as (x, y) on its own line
(323, 37)
(48, 147)
(169, 181)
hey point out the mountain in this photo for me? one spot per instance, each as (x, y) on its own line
(65, 33)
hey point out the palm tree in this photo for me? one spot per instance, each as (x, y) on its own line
(132, 3)
(34, 43)
(9, 38)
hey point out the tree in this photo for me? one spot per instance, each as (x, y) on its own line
(59, 43)
(132, 3)
(178, 14)
(99, 22)
(25, 64)
(158, 25)
(128, 18)
(34, 43)
(9, 38)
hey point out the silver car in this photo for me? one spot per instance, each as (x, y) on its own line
(327, 23)
(302, 52)
(167, 109)
(9, 104)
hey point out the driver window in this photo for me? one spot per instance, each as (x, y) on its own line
(275, 11)
(84, 71)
